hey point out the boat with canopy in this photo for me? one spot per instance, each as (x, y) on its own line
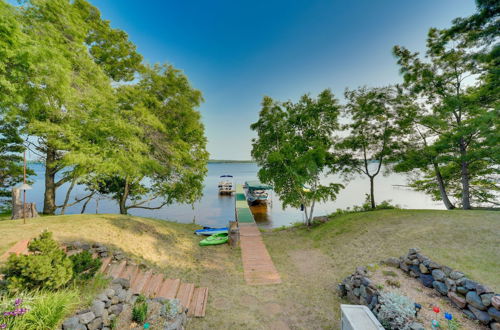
(257, 192)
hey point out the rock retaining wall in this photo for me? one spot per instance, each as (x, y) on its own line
(476, 301)
(116, 302)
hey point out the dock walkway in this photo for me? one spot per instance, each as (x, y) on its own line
(258, 267)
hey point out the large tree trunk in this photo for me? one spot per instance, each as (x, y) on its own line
(465, 177)
(49, 198)
(372, 192)
(123, 198)
(442, 188)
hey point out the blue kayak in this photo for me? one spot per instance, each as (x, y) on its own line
(207, 231)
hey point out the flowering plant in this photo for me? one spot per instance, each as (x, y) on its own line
(11, 310)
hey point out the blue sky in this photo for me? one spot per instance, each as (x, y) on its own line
(236, 52)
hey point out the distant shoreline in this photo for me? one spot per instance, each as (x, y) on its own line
(220, 161)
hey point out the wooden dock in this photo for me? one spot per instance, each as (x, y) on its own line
(258, 267)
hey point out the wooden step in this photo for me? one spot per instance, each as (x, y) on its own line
(129, 272)
(198, 302)
(185, 293)
(118, 269)
(20, 247)
(141, 281)
(169, 288)
(153, 286)
(105, 264)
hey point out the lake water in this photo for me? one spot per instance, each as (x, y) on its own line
(215, 210)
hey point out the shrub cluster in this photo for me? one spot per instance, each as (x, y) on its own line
(47, 266)
(85, 265)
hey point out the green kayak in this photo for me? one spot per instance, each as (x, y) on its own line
(215, 239)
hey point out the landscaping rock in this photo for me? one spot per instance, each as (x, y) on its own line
(116, 309)
(414, 250)
(123, 282)
(458, 300)
(462, 290)
(423, 269)
(469, 314)
(480, 289)
(495, 301)
(404, 266)
(461, 281)
(486, 298)
(109, 292)
(450, 284)
(481, 316)
(470, 285)
(433, 265)
(72, 323)
(494, 313)
(95, 324)
(447, 270)
(98, 307)
(86, 317)
(427, 280)
(495, 326)
(438, 275)
(455, 275)
(440, 287)
(474, 300)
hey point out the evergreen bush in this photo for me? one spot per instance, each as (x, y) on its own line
(46, 267)
(84, 265)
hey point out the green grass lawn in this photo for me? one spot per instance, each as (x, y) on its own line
(311, 262)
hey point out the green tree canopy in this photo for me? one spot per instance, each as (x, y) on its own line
(294, 149)
(374, 129)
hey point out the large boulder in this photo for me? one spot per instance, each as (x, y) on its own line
(481, 316)
(440, 287)
(438, 275)
(98, 307)
(455, 275)
(458, 300)
(85, 318)
(474, 300)
(427, 280)
(494, 313)
(495, 301)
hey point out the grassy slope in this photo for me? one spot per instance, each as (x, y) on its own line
(311, 262)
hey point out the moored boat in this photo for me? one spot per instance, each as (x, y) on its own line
(226, 185)
(257, 192)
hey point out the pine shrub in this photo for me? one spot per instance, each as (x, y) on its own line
(46, 267)
(84, 265)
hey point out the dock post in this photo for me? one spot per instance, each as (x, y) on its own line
(234, 234)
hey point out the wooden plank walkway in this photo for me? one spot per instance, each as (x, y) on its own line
(20, 247)
(258, 267)
(156, 285)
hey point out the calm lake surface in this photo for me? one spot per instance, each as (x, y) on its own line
(215, 210)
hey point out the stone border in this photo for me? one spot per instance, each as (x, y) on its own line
(359, 289)
(476, 301)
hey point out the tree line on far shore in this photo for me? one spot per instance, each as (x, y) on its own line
(441, 125)
(76, 93)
